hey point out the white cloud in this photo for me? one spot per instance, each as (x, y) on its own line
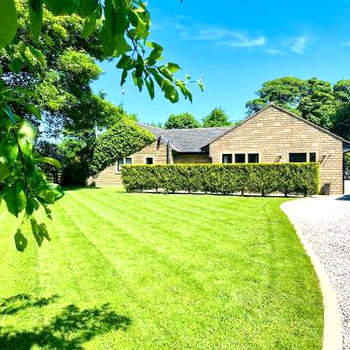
(230, 38)
(273, 51)
(346, 44)
(245, 42)
(298, 44)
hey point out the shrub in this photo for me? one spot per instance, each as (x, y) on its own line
(264, 178)
(125, 137)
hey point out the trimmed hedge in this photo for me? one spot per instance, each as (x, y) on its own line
(264, 178)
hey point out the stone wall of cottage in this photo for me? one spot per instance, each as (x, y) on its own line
(111, 177)
(191, 158)
(274, 134)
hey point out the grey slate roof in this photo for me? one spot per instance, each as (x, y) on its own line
(187, 140)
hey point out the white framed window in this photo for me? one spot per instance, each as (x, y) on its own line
(149, 160)
(297, 157)
(312, 157)
(253, 157)
(239, 158)
(121, 161)
(226, 158)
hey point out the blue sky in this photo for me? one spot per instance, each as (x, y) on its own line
(236, 46)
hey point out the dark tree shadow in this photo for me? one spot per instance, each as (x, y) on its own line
(21, 302)
(68, 330)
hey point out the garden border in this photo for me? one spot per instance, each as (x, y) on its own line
(332, 329)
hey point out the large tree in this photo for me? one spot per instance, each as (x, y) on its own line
(181, 121)
(318, 103)
(286, 92)
(313, 99)
(341, 124)
(217, 117)
(118, 29)
(342, 91)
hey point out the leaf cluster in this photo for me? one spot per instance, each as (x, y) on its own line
(23, 185)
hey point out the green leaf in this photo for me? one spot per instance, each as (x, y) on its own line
(114, 27)
(39, 231)
(155, 55)
(150, 87)
(51, 161)
(9, 113)
(9, 150)
(5, 123)
(15, 65)
(125, 62)
(36, 17)
(141, 27)
(8, 22)
(89, 26)
(20, 241)
(62, 7)
(87, 7)
(4, 172)
(170, 92)
(30, 206)
(32, 109)
(173, 67)
(27, 132)
(36, 232)
(166, 72)
(38, 55)
(200, 84)
(51, 194)
(15, 199)
(124, 76)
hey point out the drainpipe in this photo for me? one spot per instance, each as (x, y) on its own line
(167, 152)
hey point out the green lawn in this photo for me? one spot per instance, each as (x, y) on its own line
(145, 271)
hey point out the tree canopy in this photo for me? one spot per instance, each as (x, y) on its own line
(286, 92)
(313, 99)
(216, 118)
(48, 50)
(181, 121)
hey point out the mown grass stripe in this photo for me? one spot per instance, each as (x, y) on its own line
(128, 288)
(220, 234)
(168, 241)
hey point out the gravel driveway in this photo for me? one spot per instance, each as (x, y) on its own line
(325, 223)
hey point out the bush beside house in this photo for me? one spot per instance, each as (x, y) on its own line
(264, 178)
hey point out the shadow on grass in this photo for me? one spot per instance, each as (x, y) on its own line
(68, 330)
(21, 302)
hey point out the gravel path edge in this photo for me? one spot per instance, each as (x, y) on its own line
(332, 331)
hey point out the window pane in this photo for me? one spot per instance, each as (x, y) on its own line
(120, 162)
(313, 157)
(297, 157)
(149, 160)
(240, 158)
(253, 158)
(128, 161)
(227, 158)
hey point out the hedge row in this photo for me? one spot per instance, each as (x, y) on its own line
(263, 178)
